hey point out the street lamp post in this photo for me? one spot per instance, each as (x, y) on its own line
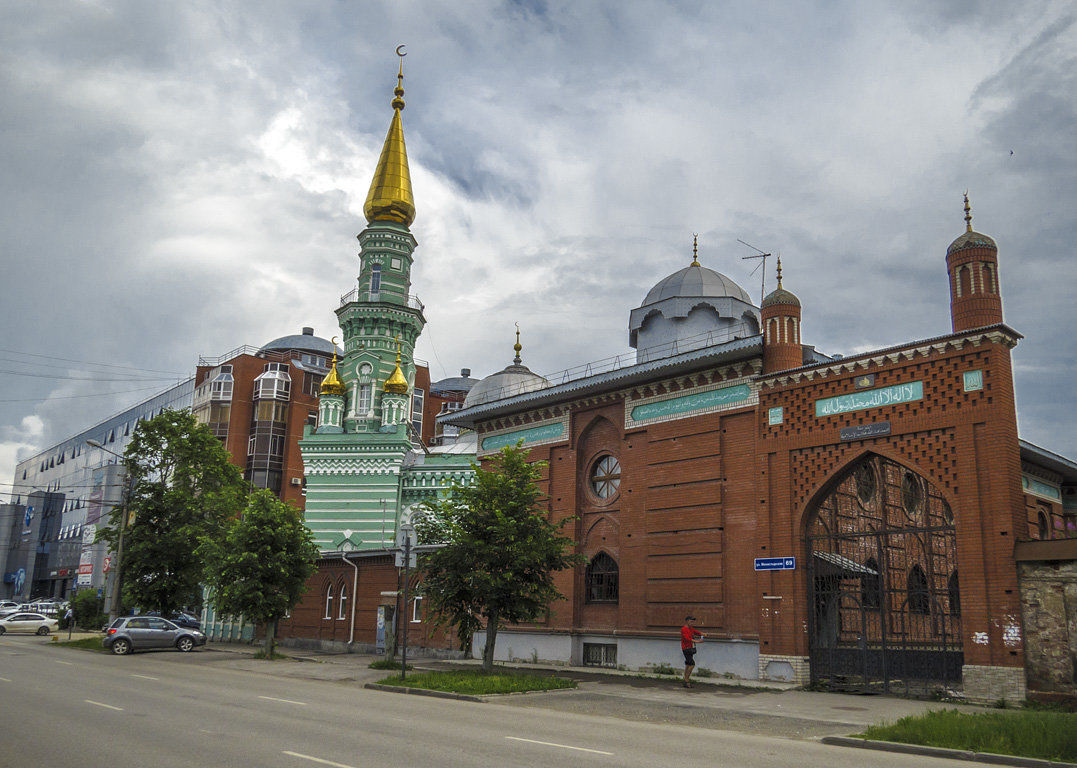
(114, 602)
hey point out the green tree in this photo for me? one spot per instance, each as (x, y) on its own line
(182, 488)
(259, 568)
(88, 609)
(499, 550)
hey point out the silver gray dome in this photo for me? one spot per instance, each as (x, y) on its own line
(516, 379)
(461, 383)
(304, 342)
(695, 307)
(696, 281)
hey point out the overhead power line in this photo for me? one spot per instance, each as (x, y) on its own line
(89, 362)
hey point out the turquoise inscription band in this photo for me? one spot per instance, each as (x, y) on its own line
(532, 435)
(872, 398)
(694, 402)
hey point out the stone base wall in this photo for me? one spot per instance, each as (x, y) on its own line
(988, 685)
(1049, 611)
(788, 669)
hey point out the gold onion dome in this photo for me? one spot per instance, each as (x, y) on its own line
(390, 197)
(397, 384)
(969, 238)
(780, 295)
(331, 384)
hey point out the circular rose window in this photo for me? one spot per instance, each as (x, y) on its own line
(606, 477)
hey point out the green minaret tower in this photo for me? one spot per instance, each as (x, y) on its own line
(364, 473)
(380, 311)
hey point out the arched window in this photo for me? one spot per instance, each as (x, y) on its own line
(343, 613)
(919, 597)
(375, 278)
(1043, 525)
(329, 601)
(954, 592)
(870, 585)
(602, 576)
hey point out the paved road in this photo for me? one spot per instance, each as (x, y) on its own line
(70, 709)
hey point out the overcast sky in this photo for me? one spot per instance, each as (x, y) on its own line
(181, 178)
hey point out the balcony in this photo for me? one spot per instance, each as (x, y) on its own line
(381, 297)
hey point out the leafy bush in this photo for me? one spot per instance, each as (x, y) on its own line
(89, 609)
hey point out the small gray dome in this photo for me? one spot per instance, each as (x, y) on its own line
(516, 379)
(304, 342)
(971, 239)
(696, 281)
(461, 383)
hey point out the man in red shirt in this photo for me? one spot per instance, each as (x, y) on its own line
(689, 635)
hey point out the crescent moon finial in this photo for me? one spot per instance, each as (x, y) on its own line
(398, 102)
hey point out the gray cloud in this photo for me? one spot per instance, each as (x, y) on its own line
(181, 179)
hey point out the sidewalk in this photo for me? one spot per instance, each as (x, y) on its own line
(751, 706)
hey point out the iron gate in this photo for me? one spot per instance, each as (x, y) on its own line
(885, 608)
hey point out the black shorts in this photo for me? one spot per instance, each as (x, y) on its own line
(689, 656)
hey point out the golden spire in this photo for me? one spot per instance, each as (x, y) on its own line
(779, 272)
(390, 197)
(331, 384)
(968, 213)
(397, 384)
(695, 255)
(516, 360)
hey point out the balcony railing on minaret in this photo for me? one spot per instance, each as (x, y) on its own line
(387, 297)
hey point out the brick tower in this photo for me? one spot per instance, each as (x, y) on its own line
(972, 265)
(781, 329)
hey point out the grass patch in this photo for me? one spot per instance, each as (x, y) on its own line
(386, 664)
(85, 644)
(1044, 735)
(475, 682)
(261, 655)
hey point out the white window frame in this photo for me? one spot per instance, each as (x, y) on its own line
(417, 610)
(329, 602)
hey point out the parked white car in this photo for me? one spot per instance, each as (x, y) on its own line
(22, 621)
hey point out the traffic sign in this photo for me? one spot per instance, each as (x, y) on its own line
(775, 563)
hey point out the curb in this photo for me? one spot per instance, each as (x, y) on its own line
(953, 754)
(423, 692)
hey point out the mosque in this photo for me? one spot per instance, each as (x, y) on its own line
(869, 522)
(857, 522)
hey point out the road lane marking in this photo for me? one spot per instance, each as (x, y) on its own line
(317, 759)
(106, 706)
(6, 680)
(562, 746)
(286, 701)
(145, 677)
(68, 663)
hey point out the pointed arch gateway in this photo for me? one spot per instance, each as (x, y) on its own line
(882, 554)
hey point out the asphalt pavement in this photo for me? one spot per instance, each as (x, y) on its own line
(745, 706)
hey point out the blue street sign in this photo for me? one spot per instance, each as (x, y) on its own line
(775, 563)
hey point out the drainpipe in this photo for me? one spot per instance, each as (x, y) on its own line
(355, 595)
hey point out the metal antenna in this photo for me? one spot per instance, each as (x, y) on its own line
(764, 257)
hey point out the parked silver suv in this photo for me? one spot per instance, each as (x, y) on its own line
(135, 633)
